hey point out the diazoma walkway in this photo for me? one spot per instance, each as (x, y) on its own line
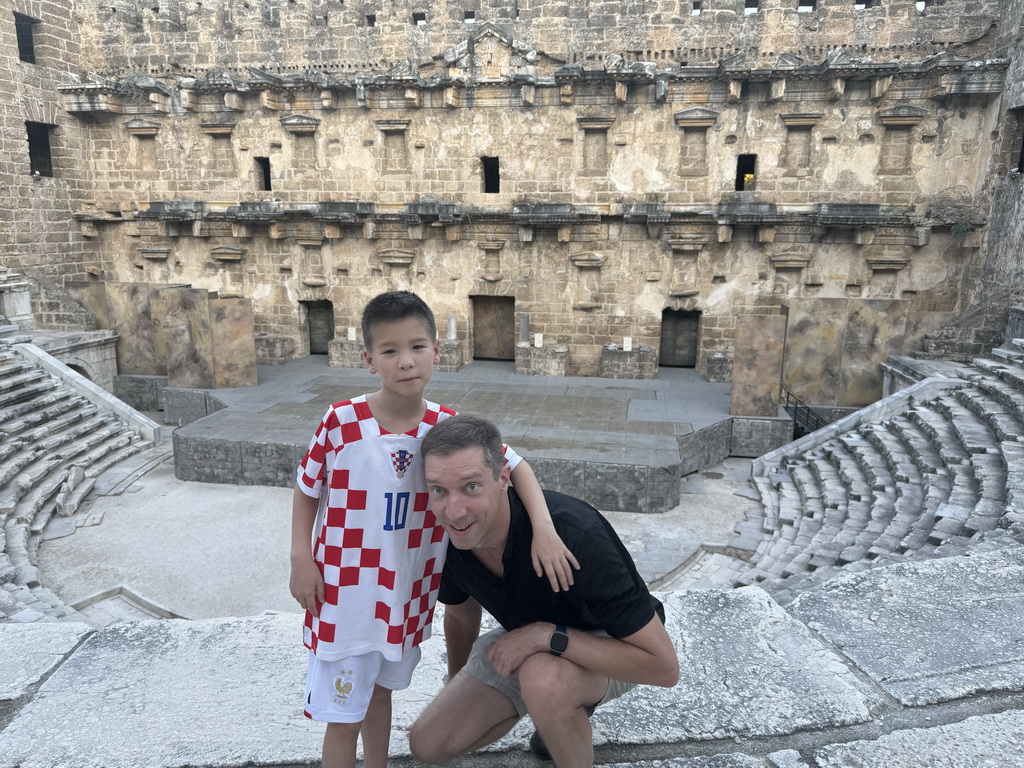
(918, 662)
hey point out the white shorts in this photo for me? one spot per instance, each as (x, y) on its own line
(339, 691)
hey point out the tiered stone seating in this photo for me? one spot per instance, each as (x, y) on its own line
(53, 444)
(943, 475)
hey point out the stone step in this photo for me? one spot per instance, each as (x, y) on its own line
(850, 471)
(833, 490)
(41, 383)
(919, 447)
(940, 433)
(1013, 375)
(1002, 393)
(990, 473)
(1002, 422)
(13, 365)
(64, 427)
(873, 465)
(39, 423)
(43, 400)
(975, 435)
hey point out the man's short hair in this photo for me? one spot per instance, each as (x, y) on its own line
(395, 305)
(461, 432)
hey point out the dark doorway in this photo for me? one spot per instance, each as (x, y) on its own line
(746, 173)
(320, 321)
(680, 337)
(492, 174)
(494, 327)
(264, 182)
(39, 157)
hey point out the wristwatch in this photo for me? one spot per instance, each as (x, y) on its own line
(559, 640)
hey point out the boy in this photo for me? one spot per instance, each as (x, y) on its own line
(370, 583)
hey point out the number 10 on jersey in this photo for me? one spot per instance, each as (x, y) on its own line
(398, 510)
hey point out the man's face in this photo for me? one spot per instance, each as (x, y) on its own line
(467, 499)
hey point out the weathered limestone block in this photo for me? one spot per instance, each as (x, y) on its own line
(550, 360)
(757, 365)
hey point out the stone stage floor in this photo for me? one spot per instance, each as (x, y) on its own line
(613, 442)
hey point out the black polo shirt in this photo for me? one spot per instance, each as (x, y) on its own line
(608, 593)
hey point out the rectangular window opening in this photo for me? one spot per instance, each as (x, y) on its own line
(419, 19)
(23, 26)
(695, 10)
(921, 5)
(263, 181)
(371, 20)
(492, 175)
(751, 7)
(806, 6)
(39, 157)
(746, 173)
(1020, 160)
(860, 5)
(469, 17)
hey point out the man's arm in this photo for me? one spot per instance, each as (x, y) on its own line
(646, 657)
(461, 629)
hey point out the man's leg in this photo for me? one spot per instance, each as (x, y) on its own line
(466, 715)
(559, 695)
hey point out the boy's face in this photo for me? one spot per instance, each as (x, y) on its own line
(404, 354)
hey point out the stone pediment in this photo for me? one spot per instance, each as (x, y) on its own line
(140, 127)
(300, 123)
(737, 62)
(489, 53)
(696, 117)
(789, 61)
(903, 114)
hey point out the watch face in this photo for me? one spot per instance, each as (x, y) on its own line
(559, 642)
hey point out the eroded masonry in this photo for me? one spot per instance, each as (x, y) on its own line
(587, 188)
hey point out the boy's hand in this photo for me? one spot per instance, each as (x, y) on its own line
(307, 585)
(552, 558)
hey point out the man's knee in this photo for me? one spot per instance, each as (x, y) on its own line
(425, 745)
(544, 679)
(551, 685)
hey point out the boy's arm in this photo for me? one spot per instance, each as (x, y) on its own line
(550, 556)
(306, 582)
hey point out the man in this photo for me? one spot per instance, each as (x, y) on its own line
(558, 654)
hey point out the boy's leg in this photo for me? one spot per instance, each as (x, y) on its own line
(340, 745)
(377, 729)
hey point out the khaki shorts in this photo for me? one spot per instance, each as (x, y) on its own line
(480, 668)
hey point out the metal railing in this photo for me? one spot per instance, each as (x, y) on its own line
(805, 419)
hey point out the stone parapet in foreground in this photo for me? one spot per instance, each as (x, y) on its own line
(908, 665)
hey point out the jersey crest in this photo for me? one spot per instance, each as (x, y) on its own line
(401, 460)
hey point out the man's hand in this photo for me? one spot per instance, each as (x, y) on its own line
(307, 584)
(515, 647)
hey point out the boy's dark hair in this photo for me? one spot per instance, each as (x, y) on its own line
(461, 432)
(395, 305)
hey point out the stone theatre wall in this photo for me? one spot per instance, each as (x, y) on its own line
(607, 166)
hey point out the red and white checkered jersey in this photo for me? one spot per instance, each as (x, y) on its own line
(379, 547)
